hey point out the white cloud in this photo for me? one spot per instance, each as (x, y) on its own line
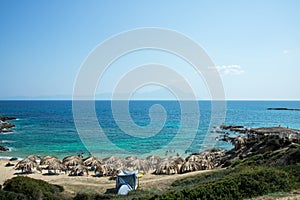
(285, 51)
(230, 69)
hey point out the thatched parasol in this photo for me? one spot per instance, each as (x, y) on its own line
(26, 165)
(48, 157)
(92, 161)
(33, 157)
(194, 158)
(79, 170)
(56, 165)
(167, 167)
(207, 164)
(154, 160)
(177, 159)
(70, 161)
(47, 160)
(138, 164)
(115, 161)
(190, 166)
(111, 159)
(130, 158)
(101, 169)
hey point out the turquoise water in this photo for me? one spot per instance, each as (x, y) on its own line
(47, 127)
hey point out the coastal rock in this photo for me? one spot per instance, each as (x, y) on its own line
(292, 109)
(262, 141)
(240, 129)
(4, 125)
(3, 148)
(4, 119)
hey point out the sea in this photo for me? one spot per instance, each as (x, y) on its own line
(136, 128)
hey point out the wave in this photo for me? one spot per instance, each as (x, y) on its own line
(8, 158)
(6, 141)
(7, 133)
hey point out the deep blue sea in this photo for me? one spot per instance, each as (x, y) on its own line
(48, 128)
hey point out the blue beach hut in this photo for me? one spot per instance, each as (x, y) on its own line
(126, 181)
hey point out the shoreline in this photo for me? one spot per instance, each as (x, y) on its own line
(76, 184)
(263, 140)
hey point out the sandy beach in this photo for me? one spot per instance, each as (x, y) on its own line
(89, 183)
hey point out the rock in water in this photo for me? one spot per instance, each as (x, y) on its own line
(4, 119)
(4, 125)
(3, 148)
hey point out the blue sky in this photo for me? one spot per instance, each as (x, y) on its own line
(255, 44)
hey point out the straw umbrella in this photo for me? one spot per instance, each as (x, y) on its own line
(110, 169)
(46, 160)
(190, 166)
(115, 161)
(79, 170)
(167, 167)
(101, 169)
(71, 161)
(194, 158)
(139, 164)
(177, 159)
(111, 159)
(92, 161)
(48, 157)
(26, 165)
(154, 160)
(33, 157)
(207, 164)
(131, 158)
(56, 165)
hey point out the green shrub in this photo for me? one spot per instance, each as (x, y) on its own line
(86, 196)
(32, 188)
(294, 171)
(11, 195)
(233, 184)
(201, 178)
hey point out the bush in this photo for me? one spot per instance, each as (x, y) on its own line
(283, 157)
(200, 179)
(294, 171)
(32, 188)
(11, 195)
(85, 196)
(238, 184)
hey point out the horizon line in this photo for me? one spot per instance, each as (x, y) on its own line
(150, 99)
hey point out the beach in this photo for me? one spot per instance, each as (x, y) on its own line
(77, 184)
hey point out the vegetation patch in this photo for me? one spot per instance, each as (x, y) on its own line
(30, 188)
(239, 183)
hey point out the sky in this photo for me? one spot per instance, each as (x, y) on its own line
(255, 45)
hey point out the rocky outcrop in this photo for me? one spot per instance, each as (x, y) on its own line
(3, 148)
(6, 126)
(4, 119)
(272, 146)
(240, 129)
(292, 109)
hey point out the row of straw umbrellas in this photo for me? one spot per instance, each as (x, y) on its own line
(110, 166)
